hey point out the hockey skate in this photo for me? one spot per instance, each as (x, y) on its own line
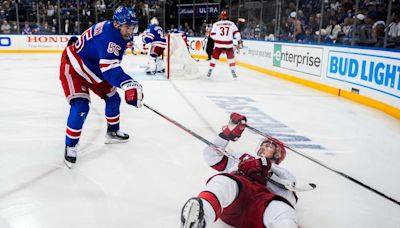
(192, 215)
(148, 72)
(161, 71)
(209, 73)
(118, 136)
(70, 156)
(234, 75)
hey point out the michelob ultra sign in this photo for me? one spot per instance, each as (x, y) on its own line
(379, 73)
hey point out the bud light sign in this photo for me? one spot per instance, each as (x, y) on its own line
(5, 41)
(379, 73)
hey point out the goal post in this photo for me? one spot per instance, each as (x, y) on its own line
(179, 62)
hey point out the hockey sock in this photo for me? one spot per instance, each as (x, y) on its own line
(77, 115)
(112, 112)
(232, 64)
(211, 206)
(212, 63)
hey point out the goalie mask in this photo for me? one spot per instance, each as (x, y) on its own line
(154, 21)
(272, 149)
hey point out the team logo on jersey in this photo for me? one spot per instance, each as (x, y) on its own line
(113, 48)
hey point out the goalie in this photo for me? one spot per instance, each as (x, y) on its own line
(240, 195)
(154, 36)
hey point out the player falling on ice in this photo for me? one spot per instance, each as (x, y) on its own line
(92, 62)
(240, 195)
(154, 35)
(223, 32)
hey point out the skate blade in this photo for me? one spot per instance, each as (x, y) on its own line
(69, 165)
(192, 214)
(115, 141)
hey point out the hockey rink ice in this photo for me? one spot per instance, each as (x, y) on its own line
(145, 182)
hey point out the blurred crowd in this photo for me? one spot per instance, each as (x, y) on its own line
(337, 23)
(307, 21)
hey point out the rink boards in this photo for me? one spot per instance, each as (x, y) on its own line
(367, 76)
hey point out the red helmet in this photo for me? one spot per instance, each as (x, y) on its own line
(280, 151)
(223, 15)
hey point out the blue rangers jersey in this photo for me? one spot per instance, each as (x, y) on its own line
(155, 35)
(97, 54)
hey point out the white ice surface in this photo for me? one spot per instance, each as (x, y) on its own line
(145, 182)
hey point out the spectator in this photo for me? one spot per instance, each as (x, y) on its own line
(50, 10)
(347, 29)
(379, 33)
(312, 25)
(333, 31)
(27, 29)
(296, 27)
(14, 27)
(76, 28)
(308, 36)
(46, 29)
(36, 28)
(54, 25)
(366, 38)
(67, 30)
(5, 27)
(394, 26)
(334, 5)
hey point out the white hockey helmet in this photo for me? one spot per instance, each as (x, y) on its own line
(154, 21)
(279, 153)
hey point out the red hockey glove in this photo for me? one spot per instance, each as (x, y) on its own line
(255, 169)
(133, 93)
(235, 127)
(253, 165)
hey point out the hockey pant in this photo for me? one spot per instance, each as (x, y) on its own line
(229, 54)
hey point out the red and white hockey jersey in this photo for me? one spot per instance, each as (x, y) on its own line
(222, 163)
(223, 32)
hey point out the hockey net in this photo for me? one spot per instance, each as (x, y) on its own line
(179, 62)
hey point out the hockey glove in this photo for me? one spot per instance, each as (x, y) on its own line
(235, 127)
(255, 169)
(133, 93)
(240, 44)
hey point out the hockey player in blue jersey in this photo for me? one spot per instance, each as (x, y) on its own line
(154, 35)
(92, 62)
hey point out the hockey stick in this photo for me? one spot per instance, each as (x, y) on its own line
(326, 166)
(224, 152)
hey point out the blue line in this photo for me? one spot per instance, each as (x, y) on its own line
(364, 86)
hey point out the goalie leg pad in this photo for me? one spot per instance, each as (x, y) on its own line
(151, 66)
(160, 65)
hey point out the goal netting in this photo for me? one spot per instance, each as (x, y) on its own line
(179, 62)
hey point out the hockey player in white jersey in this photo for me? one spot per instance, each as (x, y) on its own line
(223, 32)
(240, 195)
(154, 35)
